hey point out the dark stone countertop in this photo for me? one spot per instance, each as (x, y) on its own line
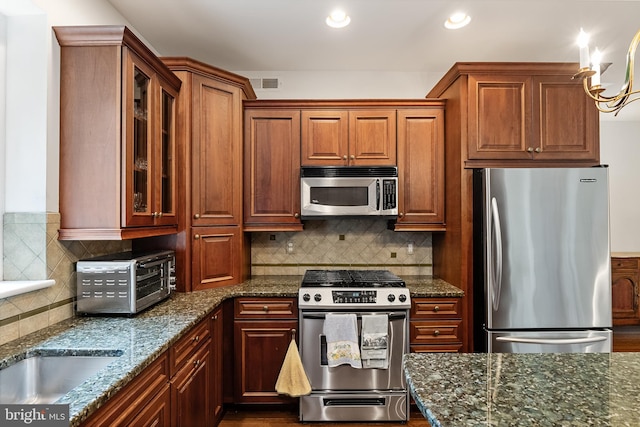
(571, 389)
(142, 338)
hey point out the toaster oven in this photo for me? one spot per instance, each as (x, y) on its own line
(124, 283)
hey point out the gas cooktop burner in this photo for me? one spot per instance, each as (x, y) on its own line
(351, 279)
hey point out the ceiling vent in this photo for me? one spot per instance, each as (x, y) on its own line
(266, 83)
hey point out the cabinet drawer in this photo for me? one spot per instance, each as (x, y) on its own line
(182, 350)
(435, 332)
(266, 308)
(435, 308)
(437, 348)
(624, 263)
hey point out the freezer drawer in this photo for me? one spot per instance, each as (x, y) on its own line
(586, 341)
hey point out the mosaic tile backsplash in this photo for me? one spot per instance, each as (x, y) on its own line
(344, 243)
(32, 251)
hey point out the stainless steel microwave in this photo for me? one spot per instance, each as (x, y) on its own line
(337, 191)
(124, 283)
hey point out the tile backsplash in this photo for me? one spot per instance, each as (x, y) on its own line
(341, 243)
(32, 251)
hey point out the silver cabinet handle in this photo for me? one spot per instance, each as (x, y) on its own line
(526, 340)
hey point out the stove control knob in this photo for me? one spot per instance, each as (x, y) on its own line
(391, 298)
(317, 297)
(402, 297)
(306, 297)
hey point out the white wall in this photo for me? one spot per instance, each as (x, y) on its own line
(345, 85)
(620, 149)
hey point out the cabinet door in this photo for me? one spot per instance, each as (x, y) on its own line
(216, 153)
(140, 399)
(564, 133)
(420, 169)
(217, 370)
(157, 413)
(325, 138)
(272, 170)
(216, 256)
(139, 104)
(260, 347)
(191, 392)
(164, 211)
(500, 117)
(149, 117)
(372, 137)
(625, 279)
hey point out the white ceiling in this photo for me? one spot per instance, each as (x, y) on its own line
(384, 35)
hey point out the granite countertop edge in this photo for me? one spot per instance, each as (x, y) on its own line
(160, 326)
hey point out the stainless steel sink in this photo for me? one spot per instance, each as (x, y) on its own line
(45, 379)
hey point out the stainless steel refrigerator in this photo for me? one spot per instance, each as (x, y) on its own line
(545, 285)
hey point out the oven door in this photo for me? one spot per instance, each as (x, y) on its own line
(324, 378)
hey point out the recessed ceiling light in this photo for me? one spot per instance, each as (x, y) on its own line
(457, 20)
(338, 19)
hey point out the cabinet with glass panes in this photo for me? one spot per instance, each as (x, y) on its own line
(118, 144)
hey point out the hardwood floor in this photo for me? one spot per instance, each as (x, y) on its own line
(288, 417)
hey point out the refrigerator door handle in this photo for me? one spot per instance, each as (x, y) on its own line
(496, 266)
(551, 340)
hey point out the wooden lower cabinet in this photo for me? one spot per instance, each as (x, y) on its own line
(435, 325)
(191, 391)
(217, 368)
(156, 413)
(625, 279)
(182, 387)
(145, 400)
(263, 328)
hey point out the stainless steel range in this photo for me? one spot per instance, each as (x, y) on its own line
(372, 388)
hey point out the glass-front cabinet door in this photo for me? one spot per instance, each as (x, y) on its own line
(142, 133)
(166, 188)
(149, 119)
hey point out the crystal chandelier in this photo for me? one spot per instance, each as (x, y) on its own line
(590, 74)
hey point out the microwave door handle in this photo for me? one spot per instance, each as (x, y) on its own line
(377, 194)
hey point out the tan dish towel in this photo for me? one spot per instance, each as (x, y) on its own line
(292, 379)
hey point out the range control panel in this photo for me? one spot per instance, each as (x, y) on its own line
(326, 297)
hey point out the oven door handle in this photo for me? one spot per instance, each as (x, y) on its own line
(392, 316)
(153, 263)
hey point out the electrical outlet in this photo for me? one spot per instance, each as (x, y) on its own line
(410, 248)
(289, 247)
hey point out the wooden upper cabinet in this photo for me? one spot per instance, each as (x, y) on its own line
(117, 136)
(272, 170)
(372, 137)
(325, 137)
(216, 153)
(348, 137)
(421, 169)
(210, 124)
(521, 114)
(500, 117)
(576, 135)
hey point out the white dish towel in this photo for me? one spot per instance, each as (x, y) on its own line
(375, 341)
(341, 332)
